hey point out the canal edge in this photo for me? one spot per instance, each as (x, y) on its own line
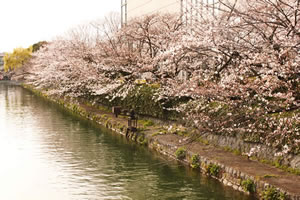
(228, 175)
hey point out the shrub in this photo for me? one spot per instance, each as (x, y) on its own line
(180, 153)
(271, 193)
(195, 161)
(142, 140)
(249, 185)
(213, 170)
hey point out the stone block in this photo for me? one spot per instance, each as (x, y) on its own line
(235, 187)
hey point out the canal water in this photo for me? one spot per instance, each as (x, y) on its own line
(48, 154)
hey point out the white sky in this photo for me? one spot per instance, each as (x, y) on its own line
(25, 22)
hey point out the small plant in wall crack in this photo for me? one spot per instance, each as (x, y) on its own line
(180, 153)
(249, 185)
(213, 170)
(195, 161)
(271, 193)
(142, 140)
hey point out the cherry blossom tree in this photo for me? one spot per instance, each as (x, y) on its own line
(241, 68)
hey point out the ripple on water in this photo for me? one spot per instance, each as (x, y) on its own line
(48, 154)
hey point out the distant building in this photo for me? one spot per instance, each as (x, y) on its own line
(1, 61)
(189, 9)
(135, 8)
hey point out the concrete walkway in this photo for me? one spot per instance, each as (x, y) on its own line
(236, 168)
(241, 167)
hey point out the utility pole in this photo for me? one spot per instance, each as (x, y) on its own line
(123, 12)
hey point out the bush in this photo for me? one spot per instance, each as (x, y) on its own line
(195, 161)
(213, 170)
(249, 185)
(180, 153)
(142, 140)
(271, 193)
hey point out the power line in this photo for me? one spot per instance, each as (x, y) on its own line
(156, 10)
(176, 1)
(187, 8)
(140, 6)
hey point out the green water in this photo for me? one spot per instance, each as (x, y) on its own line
(47, 154)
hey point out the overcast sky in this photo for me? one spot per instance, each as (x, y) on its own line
(25, 22)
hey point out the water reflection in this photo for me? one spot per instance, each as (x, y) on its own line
(48, 154)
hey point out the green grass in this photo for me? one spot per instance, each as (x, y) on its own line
(270, 176)
(146, 123)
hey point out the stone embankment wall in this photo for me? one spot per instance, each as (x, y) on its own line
(1, 66)
(1, 60)
(229, 176)
(263, 153)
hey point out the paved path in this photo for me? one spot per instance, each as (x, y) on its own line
(259, 171)
(266, 173)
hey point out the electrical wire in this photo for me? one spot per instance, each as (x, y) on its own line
(183, 7)
(176, 1)
(140, 6)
